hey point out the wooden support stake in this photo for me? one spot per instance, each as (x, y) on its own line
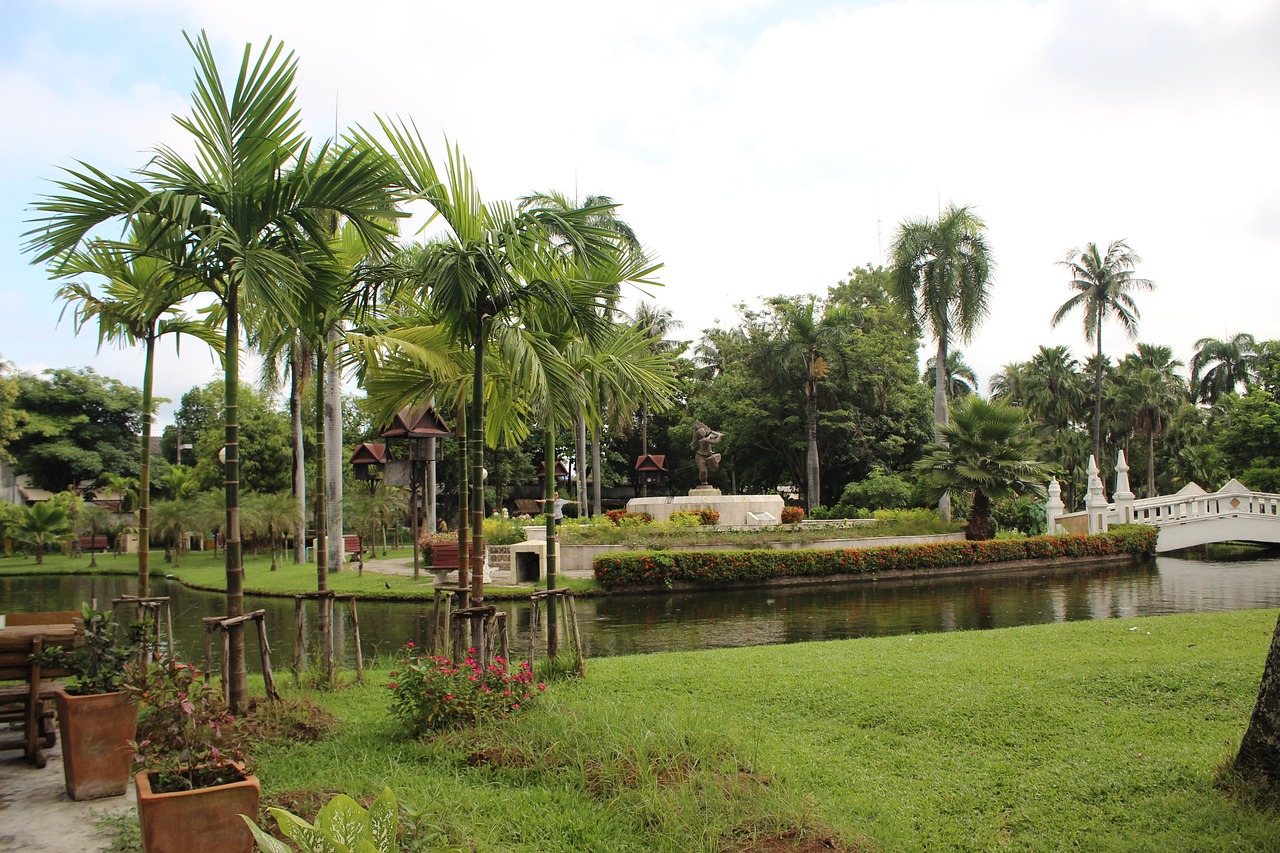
(298, 635)
(267, 677)
(355, 628)
(577, 635)
(506, 642)
(226, 667)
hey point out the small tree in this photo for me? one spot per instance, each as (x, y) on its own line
(43, 524)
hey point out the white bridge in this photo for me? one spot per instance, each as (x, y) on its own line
(1189, 518)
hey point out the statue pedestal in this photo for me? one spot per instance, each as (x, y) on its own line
(735, 510)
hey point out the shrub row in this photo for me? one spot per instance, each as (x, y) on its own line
(714, 568)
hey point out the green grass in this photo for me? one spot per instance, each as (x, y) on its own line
(206, 570)
(1086, 735)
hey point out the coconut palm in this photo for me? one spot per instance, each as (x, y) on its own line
(1054, 389)
(941, 274)
(254, 205)
(1220, 367)
(40, 525)
(1104, 287)
(1151, 391)
(987, 449)
(139, 303)
(961, 380)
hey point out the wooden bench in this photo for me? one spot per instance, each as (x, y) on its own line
(444, 561)
(28, 702)
(351, 548)
(93, 543)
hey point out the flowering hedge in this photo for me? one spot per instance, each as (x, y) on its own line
(712, 568)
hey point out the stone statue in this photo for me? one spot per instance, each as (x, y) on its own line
(703, 438)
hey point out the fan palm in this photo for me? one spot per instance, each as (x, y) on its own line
(41, 525)
(941, 275)
(255, 207)
(987, 449)
(1220, 367)
(1104, 286)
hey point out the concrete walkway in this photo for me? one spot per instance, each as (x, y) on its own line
(37, 816)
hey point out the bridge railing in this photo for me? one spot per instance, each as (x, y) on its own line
(1192, 503)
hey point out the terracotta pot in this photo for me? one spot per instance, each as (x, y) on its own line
(206, 820)
(96, 730)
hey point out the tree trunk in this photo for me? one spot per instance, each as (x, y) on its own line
(644, 445)
(464, 543)
(477, 468)
(814, 495)
(979, 517)
(597, 473)
(296, 379)
(580, 437)
(324, 626)
(430, 497)
(1259, 756)
(940, 418)
(144, 470)
(333, 451)
(1097, 395)
(549, 491)
(1151, 464)
(238, 689)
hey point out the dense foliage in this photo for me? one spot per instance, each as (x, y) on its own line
(715, 568)
(430, 692)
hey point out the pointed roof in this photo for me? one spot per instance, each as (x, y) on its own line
(1191, 490)
(652, 462)
(417, 422)
(370, 454)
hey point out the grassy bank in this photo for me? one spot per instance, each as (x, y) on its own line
(207, 570)
(1086, 735)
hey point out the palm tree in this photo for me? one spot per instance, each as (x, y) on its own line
(1104, 287)
(139, 304)
(1218, 368)
(961, 380)
(987, 449)
(42, 524)
(1008, 384)
(1054, 389)
(941, 274)
(1151, 391)
(254, 206)
(495, 264)
(655, 323)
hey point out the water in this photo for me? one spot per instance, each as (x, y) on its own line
(638, 624)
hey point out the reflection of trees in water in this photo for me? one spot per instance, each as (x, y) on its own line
(640, 624)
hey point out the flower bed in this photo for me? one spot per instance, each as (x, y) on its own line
(714, 568)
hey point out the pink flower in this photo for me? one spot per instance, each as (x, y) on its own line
(542, 686)
(410, 646)
(393, 686)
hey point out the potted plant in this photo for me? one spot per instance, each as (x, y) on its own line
(95, 717)
(193, 781)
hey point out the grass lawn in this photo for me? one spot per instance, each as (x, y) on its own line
(1085, 735)
(207, 570)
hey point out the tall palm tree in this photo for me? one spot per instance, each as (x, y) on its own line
(987, 449)
(253, 204)
(941, 277)
(139, 303)
(1219, 367)
(1151, 391)
(1104, 286)
(495, 264)
(961, 380)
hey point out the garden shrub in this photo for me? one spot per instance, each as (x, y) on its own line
(880, 490)
(792, 514)
(429, 692)
(685, 518)
(712, 568)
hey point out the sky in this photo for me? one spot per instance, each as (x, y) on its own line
(758, 147)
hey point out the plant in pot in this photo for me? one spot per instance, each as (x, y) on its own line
(193, 781)
(95, 717)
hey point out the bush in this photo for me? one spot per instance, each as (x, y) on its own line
(715, 568)
(880, 490)
(685, 518)
(792, 515)
(503, 531)
(430, 693)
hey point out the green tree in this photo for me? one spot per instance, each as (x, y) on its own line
(1220, 367)
(79, 426)
(941, 278)
(961, 380)
(1104, 287)
(1151, 391)
(9, 414)
(987, 450)
(1249, 440)
(264, 455)
(41, 525)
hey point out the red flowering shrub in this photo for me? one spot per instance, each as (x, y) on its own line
(711, 568)
(792, 514)
(708, 517)
(623, 518)
(433, 692)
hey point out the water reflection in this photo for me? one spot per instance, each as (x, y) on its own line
(627, 624)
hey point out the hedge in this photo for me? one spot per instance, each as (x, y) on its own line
(715, 568)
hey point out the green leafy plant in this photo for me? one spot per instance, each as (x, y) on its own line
(429, 692)
(186, 734)
(342, 826)
(100, 663)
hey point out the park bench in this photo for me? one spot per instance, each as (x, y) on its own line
(27, 698)
(93, 543)
(444, 562)
(351, 548)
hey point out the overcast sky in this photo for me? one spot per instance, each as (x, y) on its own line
(758, 147)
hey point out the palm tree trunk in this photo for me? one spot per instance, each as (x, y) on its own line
(333, 451)
(144, 469)
(940, 410)
(644, 445)
(1151, 464)
(813, 496)
(979, 517)
(1097, 395)
(581, 448)
(549, 491)
(477, 468)
(323, 624)
(238, 689)
(597, 505)
(464, 544)
(430, 496)
(1259, 756)
(296, 371)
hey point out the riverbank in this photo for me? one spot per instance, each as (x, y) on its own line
(1090, 735)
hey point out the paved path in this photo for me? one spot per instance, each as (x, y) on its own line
(37, 816)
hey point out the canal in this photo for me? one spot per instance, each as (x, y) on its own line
(639, 624)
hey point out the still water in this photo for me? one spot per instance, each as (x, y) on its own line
(638, 624)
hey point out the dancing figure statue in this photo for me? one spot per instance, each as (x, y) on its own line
(703, 439)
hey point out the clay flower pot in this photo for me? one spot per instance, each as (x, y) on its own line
(96, 755)
(204, 820)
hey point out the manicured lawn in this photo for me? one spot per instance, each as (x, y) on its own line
(1086, 735)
